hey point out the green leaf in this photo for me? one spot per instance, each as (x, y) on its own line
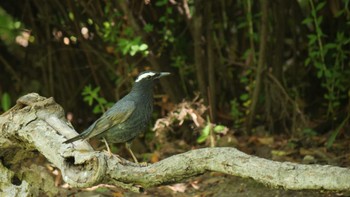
(17, 24)
(312, 39)
(327, 74)
(330, 46)
(162, 19)
(90, 21)
(71, 16)
(244, 97)
(326, 96)
(148, 28)
(335, 133)
(169, 10)
(101, 101)
(137, 40)
(97, 109)
(143, 47)
(89, 100)
(86, 90)
(129, 31)
(219, 128)
(336, 104)
(94, 92)
(106, 24)
(134, 49)
(320, 5)
(244, 79)
(5, 101)
(309, 132)
(319, 20)
(109, 105)
(161, 2)
(307, 61)
(204, 135)
(307, 21)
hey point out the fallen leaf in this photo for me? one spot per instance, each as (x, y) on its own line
(266, 140)
(155, 157)
(195, 184)
(281, 153)
(179, 187)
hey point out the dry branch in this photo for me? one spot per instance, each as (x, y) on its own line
(36, 123)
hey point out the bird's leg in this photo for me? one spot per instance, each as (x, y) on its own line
(108, 149)
(127, 145)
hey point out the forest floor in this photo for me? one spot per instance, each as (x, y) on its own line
(310, 150)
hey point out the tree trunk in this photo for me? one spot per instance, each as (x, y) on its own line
(261, 63)
(210, 59)
(197, 21)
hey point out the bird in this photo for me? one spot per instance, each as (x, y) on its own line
(128, 117)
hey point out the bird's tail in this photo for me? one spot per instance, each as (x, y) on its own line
(78, 137)
(84, 135)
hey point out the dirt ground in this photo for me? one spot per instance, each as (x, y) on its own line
(212, 185)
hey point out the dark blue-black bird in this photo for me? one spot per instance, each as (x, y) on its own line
(127, 118)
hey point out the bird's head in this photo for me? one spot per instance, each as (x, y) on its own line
(148, 76)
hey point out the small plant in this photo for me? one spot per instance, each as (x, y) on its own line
(91, 96)
(132, 46)
(167, 22)
(114, 32)
(329, 59)
(209, 131)
(5, 101)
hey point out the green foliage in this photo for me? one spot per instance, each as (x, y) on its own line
(209, 131)
(9, 27)
(123, 37)
(161, 2)
(179, 62)
(166, 22)
(329, 59)
(220, 129)
(91, 96)
(204, 134)
(236, 113)
(148, 28)
(132, 46)
(308, 132)
(5, 101)
(335, 133)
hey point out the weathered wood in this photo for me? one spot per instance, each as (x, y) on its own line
(38, 123)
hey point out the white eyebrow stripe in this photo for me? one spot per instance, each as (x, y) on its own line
(145, 75)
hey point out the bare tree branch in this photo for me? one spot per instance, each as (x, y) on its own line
(38, 123)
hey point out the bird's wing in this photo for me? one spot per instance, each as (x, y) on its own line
(115, 115)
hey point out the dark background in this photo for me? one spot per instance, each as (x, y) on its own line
(280, 67)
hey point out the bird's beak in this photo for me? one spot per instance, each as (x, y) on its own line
(162, 74)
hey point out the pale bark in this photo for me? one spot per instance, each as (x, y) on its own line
(37, 123)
